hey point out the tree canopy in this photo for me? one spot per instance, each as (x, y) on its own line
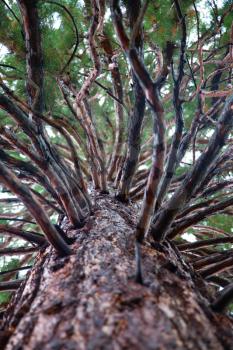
(128, 98)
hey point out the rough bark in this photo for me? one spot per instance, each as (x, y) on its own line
(137, 114)
(34, 57)
(90, 300)
(193, 178)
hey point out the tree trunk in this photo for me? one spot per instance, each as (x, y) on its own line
(90, 300)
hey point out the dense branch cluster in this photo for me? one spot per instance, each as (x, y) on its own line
(161, 138)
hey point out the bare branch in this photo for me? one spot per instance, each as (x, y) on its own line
(33, 206)
(10, 286)
(224, 299)
(193, 178)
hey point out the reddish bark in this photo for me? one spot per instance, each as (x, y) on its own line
(90, 300)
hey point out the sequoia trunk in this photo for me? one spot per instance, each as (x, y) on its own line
(90, 300)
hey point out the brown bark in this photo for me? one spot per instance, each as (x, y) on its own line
(184, 193)
(137, 115)
(89, 300)
(34, 57)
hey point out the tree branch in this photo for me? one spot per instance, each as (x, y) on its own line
(184, 193)
(33, 206)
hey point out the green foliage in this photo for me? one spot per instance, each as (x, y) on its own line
(223, 222)
(160, 25)
(10, 265)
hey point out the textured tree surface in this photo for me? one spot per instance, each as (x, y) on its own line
(116, 174)
(90, 300)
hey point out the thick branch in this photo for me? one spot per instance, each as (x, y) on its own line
(10, 181)
(31, 237)
(173, 160)
(217, 268)
(18, 251)
(224, 299)
(194, 177)
(137, 115)
(10, 286)
(34, 58)
(204, 243)
(151, 93)
(199, 216)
